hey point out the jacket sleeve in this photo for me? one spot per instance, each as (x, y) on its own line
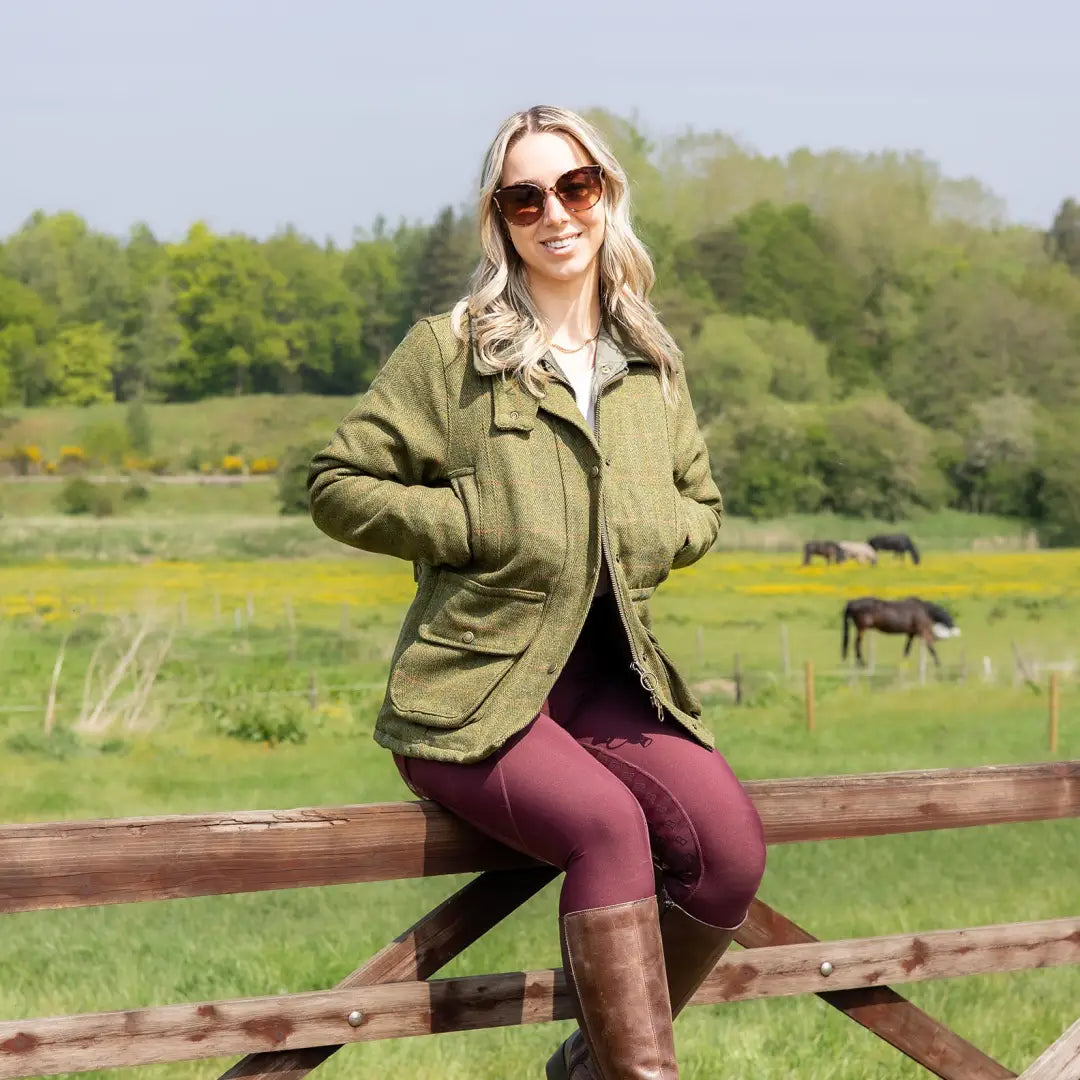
(701, 508)
(380, 484)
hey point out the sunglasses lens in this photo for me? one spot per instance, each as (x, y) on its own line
(581, 189)
(521, 204)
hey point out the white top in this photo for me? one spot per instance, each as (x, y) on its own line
(579, 369)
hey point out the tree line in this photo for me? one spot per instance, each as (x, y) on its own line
(862, 334)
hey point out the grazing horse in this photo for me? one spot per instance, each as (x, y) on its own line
(911, 616)
(861, 553)
(828, 549)
(901, 543)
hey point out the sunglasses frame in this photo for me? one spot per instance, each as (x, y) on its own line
(597, 169)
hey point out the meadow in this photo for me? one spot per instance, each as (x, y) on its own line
(266, 676)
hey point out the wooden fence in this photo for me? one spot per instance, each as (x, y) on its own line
(84, 863)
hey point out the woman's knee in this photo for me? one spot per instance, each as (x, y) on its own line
(732, 866)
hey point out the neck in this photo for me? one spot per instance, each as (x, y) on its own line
(570, 309)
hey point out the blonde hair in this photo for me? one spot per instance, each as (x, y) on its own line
(509, 336)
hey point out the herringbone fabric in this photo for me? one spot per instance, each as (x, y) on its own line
(508, 505)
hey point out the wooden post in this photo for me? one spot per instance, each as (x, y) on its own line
(922, 662)
(809, 693)
(738, 680)
(1055, 698)
(238, 619)
(785, 656)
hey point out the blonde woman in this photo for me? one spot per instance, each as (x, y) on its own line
(535, 454)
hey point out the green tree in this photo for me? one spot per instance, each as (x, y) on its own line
(27, 325)
(83, 363)
(1063, 239)
(875, 460)
(439, 277)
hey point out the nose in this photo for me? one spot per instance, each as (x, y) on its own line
(554, 211)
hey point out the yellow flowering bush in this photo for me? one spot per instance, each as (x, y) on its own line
(232, 464)
(261, 466)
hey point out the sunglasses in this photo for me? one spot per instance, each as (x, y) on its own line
(578, 190)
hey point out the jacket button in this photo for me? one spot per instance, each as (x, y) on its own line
(607, 462)
(468, 637)
(595, 470)
(514, 414)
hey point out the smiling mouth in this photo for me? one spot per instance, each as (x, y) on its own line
(560, 243)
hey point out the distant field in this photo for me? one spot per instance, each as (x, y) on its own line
(260, 425)
(304, 644)
(240, 520)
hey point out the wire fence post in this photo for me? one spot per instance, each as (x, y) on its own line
(1055, 701)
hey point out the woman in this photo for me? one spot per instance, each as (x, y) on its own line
(535, 454)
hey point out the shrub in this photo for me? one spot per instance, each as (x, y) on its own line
(292, 477)
(136, 492)
(266, 721)
(139, 430)
(262, 466)
(80, 496)
(72, 459)
(232, 464)
(26, 459)
(106, 442)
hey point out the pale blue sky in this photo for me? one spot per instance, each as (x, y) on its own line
(253, 113)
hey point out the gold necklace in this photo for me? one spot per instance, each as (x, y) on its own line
(577, 348)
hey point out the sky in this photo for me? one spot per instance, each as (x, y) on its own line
(252, 114)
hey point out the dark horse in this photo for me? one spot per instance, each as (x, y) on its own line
(911, 616)
(901, 543)
(829, 549)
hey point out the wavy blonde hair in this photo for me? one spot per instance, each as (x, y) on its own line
(509, 336)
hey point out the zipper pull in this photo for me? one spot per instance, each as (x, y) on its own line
(648, 684)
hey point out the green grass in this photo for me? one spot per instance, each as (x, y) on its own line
(289, 941)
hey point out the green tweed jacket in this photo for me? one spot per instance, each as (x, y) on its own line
(508, 506)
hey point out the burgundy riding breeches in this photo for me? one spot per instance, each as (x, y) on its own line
(599, 786)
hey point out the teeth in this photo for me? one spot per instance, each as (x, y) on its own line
(562, 242)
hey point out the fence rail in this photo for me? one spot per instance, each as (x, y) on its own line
(85, 863)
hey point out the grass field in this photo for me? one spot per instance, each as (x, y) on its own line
(236, 658)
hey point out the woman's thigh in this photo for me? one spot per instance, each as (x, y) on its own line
(545, 795)
(706, 833)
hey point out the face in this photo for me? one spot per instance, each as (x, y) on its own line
(561, 246)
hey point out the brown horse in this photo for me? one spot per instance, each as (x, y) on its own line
(912, 616)
(830, 550)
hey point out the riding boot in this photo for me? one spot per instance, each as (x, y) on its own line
(614, 963)
(691, 950)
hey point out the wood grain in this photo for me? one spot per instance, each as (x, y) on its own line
(394, 1010)
(83, 863)
(416, 954)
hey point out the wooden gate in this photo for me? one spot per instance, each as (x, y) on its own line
(83, 863)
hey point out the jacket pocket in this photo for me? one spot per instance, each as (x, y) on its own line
(464, 485)
(468, 639)
(681, 694)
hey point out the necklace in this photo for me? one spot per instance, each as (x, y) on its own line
(577, 348)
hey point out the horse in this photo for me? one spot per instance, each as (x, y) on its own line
(861, 553)
(901, 543)
(911, 616)
(828, 549)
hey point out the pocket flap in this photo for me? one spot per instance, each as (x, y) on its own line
(481, 618)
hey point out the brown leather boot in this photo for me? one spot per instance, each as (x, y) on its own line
(614, 963)
(691, 950)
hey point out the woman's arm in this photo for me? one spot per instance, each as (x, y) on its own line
(700, 505)
(380, 485)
